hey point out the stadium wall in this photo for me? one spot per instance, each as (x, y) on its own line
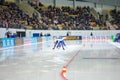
(29, 33)
(97, 7)
(77, 3)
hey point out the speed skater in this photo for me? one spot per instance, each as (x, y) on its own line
(59, 42)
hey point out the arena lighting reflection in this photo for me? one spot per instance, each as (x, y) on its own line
(7, 53)
(31, 48)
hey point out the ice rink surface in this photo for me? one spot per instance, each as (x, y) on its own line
(85, 60)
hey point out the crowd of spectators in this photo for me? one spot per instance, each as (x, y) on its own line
(12, 17)
(116, 18)
(52, 18)
(66, 18)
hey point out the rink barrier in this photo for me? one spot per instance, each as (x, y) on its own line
(10, 42)
(7, 42)
(96, 38)
(30, 40)
(18, 41)
(73, 37)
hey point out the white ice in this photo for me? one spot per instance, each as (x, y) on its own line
(93, 60)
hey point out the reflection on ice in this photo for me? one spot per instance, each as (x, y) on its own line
(6, 53)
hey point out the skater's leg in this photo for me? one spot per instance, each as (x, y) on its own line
(55, 44)
(58, 45)
(62, 44)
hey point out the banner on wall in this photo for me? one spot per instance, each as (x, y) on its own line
(29, 40)
(7, 42)
(36, 34)
(96, 37)
(73, 37)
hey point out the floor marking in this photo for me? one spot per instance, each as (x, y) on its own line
(64, 70)
(72, 58)
(99, 58)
